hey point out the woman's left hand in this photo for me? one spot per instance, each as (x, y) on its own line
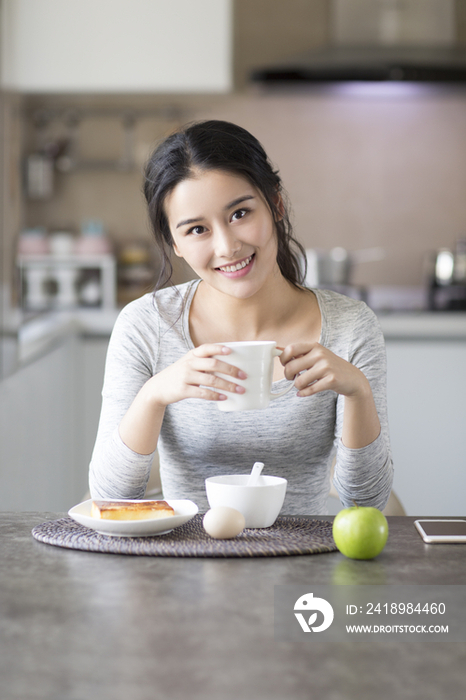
(314, 368)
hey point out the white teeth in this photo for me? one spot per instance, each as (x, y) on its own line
(239, 266)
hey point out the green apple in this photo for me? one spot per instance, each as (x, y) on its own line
(359, 532)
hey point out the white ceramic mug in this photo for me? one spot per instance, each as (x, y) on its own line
(256, 359)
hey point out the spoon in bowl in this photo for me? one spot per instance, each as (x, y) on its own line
(255, 474)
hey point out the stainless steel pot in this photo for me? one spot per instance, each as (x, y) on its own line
(335, 267)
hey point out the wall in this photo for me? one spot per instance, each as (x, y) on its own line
(361, 169)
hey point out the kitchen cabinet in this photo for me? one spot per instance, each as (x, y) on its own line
(39, 412)
(115, 46)
(49, 415)
(49, 412)
(93, 351)
(426, 390)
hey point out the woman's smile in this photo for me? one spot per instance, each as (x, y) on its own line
(238, 269)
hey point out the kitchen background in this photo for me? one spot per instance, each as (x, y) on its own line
(369, 166)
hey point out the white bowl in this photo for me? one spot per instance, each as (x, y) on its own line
(259, 504)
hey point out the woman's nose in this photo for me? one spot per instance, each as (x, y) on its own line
(226, 244)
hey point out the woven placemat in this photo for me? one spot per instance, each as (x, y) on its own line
(289, 535)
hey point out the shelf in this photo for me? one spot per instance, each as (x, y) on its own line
(42, 271)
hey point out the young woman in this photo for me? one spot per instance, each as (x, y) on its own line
(215, 200)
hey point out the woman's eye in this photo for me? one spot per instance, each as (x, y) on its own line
(197, 230)
(239, 214)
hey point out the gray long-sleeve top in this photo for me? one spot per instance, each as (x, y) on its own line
(295, 437)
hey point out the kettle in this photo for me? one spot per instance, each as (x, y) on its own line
(450, 266)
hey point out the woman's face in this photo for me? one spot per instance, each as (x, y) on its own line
(223, 228)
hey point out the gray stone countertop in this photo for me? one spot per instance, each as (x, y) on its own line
(37, 335)
(423, 325)
(76, 625)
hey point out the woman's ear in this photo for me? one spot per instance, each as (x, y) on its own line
(176, 250)
(279, 207)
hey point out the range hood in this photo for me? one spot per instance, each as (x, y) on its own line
(383, 40)
(369, 63)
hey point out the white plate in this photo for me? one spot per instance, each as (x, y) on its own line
(184, 511)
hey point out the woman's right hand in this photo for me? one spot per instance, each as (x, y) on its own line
(191, 377)
(194, 376)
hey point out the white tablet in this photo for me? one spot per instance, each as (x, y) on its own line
(447, 530)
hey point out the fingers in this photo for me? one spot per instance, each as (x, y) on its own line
(208, 379)
(205, 368)
(309, 387)
(210, 349)
(202, 392)
(201, 373)
(211, 363)
(296, 350)
(312, 367)
(211, 368)
(299, 357)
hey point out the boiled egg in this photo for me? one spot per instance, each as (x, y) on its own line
(223, 522)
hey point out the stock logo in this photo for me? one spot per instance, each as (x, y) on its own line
(313, 605)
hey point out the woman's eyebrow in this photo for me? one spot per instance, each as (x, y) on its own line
(234, 203)
(237, 201)
(189, 221)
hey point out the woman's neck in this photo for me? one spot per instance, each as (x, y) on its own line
(218, 317)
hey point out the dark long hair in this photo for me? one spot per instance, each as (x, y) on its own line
(218, 145)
